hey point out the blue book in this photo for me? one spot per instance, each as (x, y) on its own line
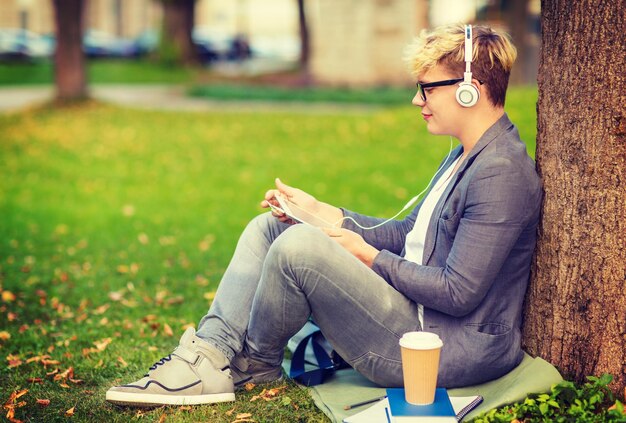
(439, 411)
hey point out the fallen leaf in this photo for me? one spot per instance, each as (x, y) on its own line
(268, 394)
(122, 362)
(243, 417)
(14, 361)
(122, 268)
(162, 418)
(128, 210)
(34, 380)
(249, 386)
(69, 373)
(209, 296)
(4, 335)
(179, 299)
(43, 402)
(21, 393)
(230, 412)
(11, 405)
(70, 412)
(143, 238)
(102, 309)
(37, 358)
(167, 330)
(47, 363)
(116, 295)
(8, 296)
(102, 344)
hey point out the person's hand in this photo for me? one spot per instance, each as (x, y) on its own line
(296, 196)
(354, 243)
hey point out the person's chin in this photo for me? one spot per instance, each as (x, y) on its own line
(433, 129)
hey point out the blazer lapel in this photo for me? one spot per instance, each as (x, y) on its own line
(494, 131)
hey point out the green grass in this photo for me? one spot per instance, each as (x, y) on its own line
(98, 71)
(117, 222)
(381, 95)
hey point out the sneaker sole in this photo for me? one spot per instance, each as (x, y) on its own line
(151, 400)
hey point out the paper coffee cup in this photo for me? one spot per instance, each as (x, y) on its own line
(420, 364)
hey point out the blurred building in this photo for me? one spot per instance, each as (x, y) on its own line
(361, 42)
(124, 18)
(353, 42)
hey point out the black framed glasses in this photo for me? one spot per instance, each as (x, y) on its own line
(422, 87)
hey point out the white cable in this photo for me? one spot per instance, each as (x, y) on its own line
(406, 207)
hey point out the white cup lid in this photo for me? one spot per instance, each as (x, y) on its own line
(421, 341)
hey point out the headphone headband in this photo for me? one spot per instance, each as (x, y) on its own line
(467, 94)
(468, 54)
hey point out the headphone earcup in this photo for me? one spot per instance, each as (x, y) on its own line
(467, 94)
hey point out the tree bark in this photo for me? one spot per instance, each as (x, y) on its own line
(576, 303)
(178, 21)
(69, 61)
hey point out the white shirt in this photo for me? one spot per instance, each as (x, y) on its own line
(414, 243)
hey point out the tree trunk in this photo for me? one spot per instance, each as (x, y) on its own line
(69, 61)
(304, 37)
(176, 44)
(576, 304)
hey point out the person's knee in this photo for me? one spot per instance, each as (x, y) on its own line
(265, 224)
(299, 246)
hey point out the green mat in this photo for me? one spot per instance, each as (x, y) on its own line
(533, 375)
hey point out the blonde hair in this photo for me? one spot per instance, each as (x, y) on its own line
(493, 55)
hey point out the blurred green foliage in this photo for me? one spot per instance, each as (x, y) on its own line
(591, 402)
(98, 71)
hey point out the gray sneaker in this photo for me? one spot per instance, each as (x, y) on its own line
(246, 370)
(195, 373)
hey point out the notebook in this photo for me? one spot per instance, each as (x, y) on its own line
(380, 411)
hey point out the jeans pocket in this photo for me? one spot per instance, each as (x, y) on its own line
(380, 370)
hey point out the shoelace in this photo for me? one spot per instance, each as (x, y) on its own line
(159, 363)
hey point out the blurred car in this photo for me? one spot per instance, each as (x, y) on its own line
(102, 44)
(276, 47)
(18, 43)
(212, 45)
(146, 42)
(205, 46)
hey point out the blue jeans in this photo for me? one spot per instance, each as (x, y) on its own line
(281, 274)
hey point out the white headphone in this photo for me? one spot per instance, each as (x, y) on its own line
(467, 94)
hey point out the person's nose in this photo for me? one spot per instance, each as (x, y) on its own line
(417, 100)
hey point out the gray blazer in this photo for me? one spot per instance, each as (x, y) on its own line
(477, 257)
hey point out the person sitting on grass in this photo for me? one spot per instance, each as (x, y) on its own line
(458, 265)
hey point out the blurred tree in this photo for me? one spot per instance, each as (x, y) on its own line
(69, 60)
(518, 22)
(304, 36)
(575, 313)
(176, 45)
